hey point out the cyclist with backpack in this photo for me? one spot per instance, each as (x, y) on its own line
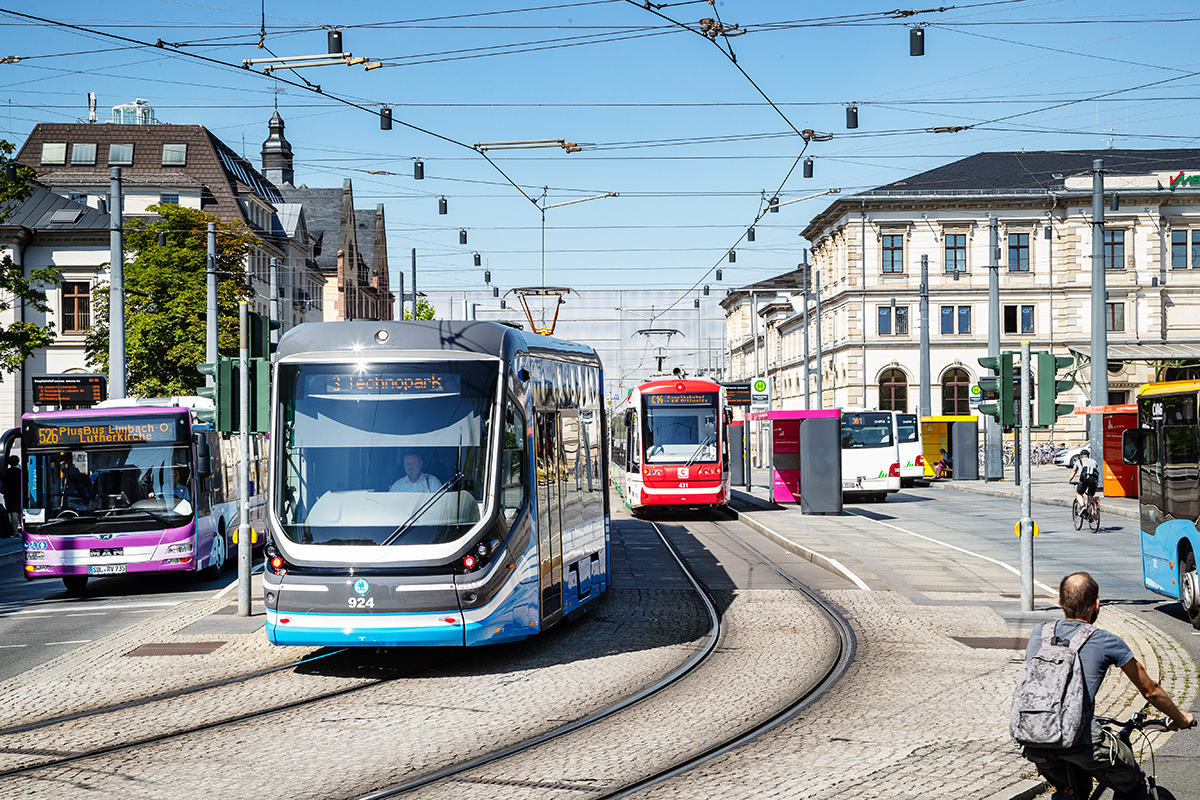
(1052, 708)
(1088, 470)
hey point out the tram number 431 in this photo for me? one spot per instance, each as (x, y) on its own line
(361, 602)
(683, 485)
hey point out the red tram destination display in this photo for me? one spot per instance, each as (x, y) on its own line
(69, 391)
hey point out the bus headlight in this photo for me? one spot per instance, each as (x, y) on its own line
(180, 548)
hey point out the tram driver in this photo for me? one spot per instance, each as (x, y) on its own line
(415, 479)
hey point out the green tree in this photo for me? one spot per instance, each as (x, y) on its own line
(424, 310)
(18, 340)
(166, 295)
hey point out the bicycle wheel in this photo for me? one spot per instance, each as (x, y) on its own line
(1076, 514)
(1094, 514)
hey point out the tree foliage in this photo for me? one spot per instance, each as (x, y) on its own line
(18, 340)
(424, 310)
(166, 295)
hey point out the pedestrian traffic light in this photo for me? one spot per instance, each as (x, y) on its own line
(261, 326)
(999, 385)
(1048, 387)
(224, 392)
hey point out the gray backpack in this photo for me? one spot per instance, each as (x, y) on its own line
(1048, 706)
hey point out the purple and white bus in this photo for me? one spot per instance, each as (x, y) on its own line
(134, 486)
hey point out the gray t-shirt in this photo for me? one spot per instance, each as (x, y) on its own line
(1097, 654)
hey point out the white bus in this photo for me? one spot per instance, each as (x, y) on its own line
(870, 455)
(908, 439)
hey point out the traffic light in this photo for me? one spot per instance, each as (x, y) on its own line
(1048, 387)
(224, 392)
(260, 395)
(1000, 387)
(261, 326)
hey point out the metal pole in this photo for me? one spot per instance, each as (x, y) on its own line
(926, 389)
(820, 354)
(400, 311)
(993, 462)
(273, 292)
(210, 324)
(806, 364)
(243, 541)
(414, 282)
(116, 291)
(1099, 329)
(1023, 464)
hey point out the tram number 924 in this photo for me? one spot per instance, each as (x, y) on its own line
(361, 602)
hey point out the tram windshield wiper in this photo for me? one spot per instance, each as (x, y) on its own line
(428, 504)
(708, 440)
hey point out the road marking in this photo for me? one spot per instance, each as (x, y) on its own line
(956, 548)
(76, 641)
(833, 562)
(11, 646)
(101, 609)
(90, 614)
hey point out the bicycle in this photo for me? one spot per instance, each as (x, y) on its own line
(1089, 512)
(1141, 723)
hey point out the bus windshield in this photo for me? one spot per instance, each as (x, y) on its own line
(383, 454)
(681, 428)
(866, 429)
(906, 428)
(106, 476)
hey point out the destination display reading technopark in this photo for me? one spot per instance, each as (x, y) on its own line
(414, 383)
(74, 432)
(683, 399)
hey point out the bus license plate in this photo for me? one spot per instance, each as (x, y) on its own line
(107, 569)
(106, 551)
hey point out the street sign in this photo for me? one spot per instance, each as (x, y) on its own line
(976, 395)
(760, 394)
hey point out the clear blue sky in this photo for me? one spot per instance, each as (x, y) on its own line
(663, 115)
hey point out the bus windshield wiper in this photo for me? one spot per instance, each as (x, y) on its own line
(708, 440)
(416, 515)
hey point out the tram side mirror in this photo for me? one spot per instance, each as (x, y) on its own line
(628, 417)
(728, 415)
(203, 456)
(1134, 445)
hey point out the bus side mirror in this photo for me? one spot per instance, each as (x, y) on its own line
(1133, 445)
(203, 456)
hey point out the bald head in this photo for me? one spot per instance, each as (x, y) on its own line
(1077, 594)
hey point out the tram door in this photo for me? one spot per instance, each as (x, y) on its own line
(550, 468)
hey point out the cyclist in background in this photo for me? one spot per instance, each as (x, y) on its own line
(1088, 471)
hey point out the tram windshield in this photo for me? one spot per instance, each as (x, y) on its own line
(383, 454)
(681, 428)
(106, 476)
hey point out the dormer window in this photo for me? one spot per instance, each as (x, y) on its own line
(83, 153)
(120, 153)
(174, 155)
(54, 152)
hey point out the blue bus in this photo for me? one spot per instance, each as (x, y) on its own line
(1166, 449)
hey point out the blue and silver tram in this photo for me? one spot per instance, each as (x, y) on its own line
(433, 483)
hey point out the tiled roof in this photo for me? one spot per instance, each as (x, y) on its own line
(322, 214)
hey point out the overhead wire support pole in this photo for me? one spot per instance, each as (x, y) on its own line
(116, 286)
(1099, 328)
(1026, 489)
(245, 546)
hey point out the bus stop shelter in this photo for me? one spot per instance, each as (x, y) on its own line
(958, 435)
(1120, 479)
(806, 458)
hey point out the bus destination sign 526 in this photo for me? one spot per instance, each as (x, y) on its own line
(66, 434)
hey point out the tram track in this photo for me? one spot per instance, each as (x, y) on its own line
(454, 780)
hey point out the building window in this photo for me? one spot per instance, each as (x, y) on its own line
(1114, 249)
(174, 155)
(78, 198)
(1114, 316)
(886, 316)
(893, 391)
(956, 392)
(120, 153)
(948, 317)
(169, 199)
(1018, 252)
(54, 152)
(893, 254)
(83, 153)
(956, 252)
(1018, 319)
(76, 306)
(1179, 250)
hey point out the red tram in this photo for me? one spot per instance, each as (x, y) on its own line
(670, 445)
